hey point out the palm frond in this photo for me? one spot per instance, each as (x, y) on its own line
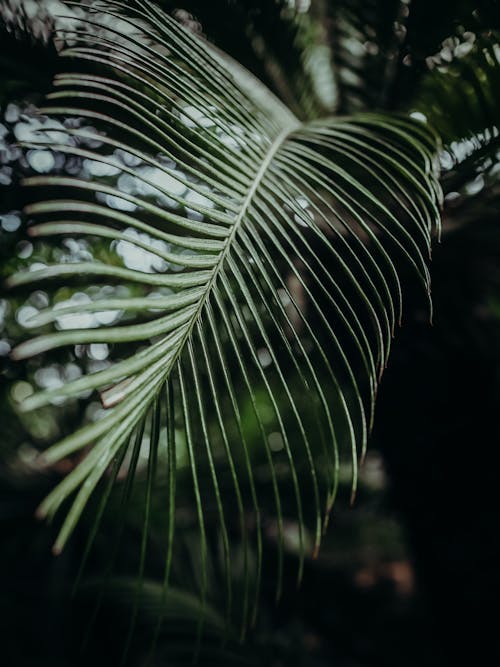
(255, 263)
(472, 60)
(460, 96)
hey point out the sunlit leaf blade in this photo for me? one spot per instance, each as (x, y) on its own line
(270, 283)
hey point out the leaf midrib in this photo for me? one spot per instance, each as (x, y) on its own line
(259, 177)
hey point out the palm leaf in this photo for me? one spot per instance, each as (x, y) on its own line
(460, 97)
(464, 74)
(263, 238)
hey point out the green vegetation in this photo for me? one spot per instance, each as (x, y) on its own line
(214, 220)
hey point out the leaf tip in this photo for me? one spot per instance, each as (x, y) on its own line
(40, 513)
(42, 461)
(56, 550)
(18, 353)
(32, 231)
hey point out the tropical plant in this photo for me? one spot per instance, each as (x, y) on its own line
(224, 274)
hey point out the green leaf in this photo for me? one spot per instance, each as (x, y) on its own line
(271, 235)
